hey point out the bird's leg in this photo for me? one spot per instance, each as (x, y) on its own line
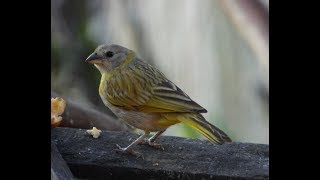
(156, 136)
(129, 150)
(151, 141)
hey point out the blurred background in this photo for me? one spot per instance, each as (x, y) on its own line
(217, 51)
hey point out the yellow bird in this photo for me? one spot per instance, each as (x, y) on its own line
(140, 95)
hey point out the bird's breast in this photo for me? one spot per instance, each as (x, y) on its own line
(141, 120)
(149, 121)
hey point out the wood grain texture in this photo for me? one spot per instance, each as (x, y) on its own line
(59, 168)
(181, 158)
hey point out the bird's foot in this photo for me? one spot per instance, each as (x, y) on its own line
(152, 144)
(129, 151)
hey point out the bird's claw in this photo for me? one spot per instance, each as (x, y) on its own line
(120, 149)
(129, 151)
(152, 144)
(156, 145)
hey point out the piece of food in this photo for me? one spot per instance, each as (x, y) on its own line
(57, 108)
(94, 132)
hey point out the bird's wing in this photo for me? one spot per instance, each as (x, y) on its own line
(167, 97)
(146, 89)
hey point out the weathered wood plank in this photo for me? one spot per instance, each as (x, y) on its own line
(59, 168)
(181, 158)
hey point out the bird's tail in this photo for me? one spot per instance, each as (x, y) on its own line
(198, 122)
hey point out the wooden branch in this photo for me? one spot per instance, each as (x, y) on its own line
(181, 158)
(77, 116)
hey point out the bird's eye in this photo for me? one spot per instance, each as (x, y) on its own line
(109, 54)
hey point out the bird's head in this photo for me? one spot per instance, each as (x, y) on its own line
(108, 57)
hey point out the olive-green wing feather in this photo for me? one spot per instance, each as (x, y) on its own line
(143, 88)
(167, 97)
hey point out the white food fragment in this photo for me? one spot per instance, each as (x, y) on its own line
(94, 132)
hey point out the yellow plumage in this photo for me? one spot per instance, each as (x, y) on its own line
(143, 97)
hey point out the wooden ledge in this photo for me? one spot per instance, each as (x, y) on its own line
(182, 158)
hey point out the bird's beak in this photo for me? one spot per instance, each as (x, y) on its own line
(94, 58)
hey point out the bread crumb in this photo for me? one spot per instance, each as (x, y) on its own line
(94, 132)
(57, 108)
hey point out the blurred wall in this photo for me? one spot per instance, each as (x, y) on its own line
(195, 43)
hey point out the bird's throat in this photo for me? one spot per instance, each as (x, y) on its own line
(107, 74)
(103, 83)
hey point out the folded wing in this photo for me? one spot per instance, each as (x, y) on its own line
(144, 88)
